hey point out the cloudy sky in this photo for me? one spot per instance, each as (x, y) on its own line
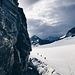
(49, 17)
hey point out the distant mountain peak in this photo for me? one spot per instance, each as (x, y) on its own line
(35, 40)
(71, 32)
(34, 36)
(52, 38)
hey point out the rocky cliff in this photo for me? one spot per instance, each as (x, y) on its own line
(15, 44)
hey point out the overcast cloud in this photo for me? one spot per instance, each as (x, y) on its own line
(49, 17)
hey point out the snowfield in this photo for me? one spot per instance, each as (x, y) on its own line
(57, 58)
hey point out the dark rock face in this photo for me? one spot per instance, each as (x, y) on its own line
(15, 44)
(71, 32)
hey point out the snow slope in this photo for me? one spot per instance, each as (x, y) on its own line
(57, 58)
(66, 41)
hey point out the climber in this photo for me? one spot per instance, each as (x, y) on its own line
(44, 57)
(37, 53)
(41, 55)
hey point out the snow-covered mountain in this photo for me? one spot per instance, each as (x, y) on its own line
(35, 41)
(57, 58)
(71, 32)
(51, 38)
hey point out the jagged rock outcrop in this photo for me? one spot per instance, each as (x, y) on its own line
(15, 44)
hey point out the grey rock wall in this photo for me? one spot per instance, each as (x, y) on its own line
(15, 44)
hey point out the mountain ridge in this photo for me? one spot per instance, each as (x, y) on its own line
(35, 40)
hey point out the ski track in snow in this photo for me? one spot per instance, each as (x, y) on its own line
(58, 60)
